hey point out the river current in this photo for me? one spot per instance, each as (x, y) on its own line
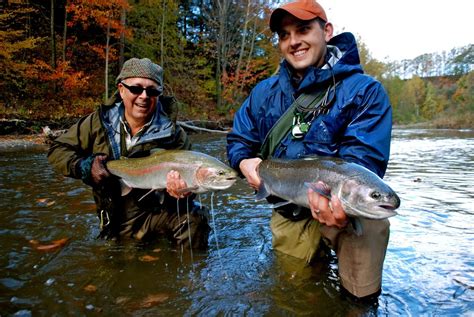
(428, 269)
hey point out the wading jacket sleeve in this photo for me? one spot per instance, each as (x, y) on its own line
(357, 127)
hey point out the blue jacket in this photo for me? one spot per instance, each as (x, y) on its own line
(357, 127)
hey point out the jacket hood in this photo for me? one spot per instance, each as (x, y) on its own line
(342, 60)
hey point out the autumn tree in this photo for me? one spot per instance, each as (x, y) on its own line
(370, 64)
(433, 104)
(395, 90)
(463, 98)
(97, 26)
(239, 31)
(251, 66)
(17, 46)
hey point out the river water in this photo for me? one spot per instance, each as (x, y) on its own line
(428, 269)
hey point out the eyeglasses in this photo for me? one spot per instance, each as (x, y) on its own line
(138, 90)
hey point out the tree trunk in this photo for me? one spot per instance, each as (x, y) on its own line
(242, 45)
(223, 7)
(53, 42)
(107, 48)
(162, 36)
(249, 56)
(123, 21)
(65, 32)
(53, 37)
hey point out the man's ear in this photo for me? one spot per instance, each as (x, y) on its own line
(120, 89)
(328, 31)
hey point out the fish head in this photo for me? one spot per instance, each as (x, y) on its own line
(373, 200)
(215, 177)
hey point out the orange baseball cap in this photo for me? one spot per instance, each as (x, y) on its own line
(301, 9)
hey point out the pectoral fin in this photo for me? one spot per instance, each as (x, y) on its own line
(356, 226)
(125, 188)
(147, 193)
(321, 188)
(262, 192)
(281, 204)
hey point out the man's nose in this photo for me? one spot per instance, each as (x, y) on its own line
(143, 94)
(294, 39)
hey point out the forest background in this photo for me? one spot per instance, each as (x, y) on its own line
(59, 60)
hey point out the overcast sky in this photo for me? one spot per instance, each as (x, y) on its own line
(404, 29)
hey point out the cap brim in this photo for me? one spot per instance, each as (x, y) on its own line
(277, 15)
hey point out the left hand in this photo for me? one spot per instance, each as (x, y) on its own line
(174, 185)
(328, 212)
(98, 170)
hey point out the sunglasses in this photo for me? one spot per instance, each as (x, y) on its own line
(138, 90)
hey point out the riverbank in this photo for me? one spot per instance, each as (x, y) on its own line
(21, 133)
(18, 132)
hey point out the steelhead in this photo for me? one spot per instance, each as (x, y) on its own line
(362, 192)
(201, 172)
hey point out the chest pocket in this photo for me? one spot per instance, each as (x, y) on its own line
(319, 133)
(319, 140)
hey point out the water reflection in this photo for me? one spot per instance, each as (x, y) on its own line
(428, 269)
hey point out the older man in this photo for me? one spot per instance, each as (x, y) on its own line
(131, 125)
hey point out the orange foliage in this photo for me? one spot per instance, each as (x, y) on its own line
(63, 74)
(56, 244)
(104, 13)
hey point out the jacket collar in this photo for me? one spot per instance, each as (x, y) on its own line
(159, 127)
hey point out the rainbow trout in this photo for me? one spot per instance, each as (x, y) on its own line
(362, 192)
(201, 172)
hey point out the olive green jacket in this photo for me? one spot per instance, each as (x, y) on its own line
(101, 132)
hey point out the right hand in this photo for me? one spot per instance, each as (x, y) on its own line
(175, 184)
(248, 167)
(328, 212)
(98, 170)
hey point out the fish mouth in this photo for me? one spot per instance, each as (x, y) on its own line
(388, 207)
(384, 211)
(223, 184)
(370, 211)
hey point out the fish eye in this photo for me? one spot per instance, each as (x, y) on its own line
(375, 195)
(221, 172)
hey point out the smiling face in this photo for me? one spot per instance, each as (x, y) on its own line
(303, 43)
(138, 108)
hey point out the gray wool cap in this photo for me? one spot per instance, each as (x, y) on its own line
(141, 68)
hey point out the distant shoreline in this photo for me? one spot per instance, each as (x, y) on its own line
(14, 140)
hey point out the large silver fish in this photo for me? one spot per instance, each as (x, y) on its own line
(201, 172)
(362, 192)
